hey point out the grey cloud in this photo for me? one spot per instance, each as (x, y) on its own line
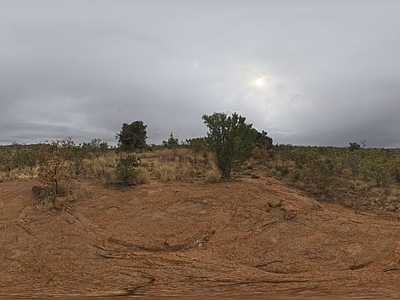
(81, 69)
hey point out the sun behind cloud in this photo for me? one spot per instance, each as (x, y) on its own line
(259, 81)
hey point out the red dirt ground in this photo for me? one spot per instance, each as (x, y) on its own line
(247, 237)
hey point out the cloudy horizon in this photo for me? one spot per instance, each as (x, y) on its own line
(308, 72)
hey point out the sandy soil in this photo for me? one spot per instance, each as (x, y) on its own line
(247, 237)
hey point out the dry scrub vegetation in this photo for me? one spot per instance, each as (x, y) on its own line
(365, 179)
(360, 178)
(76, 166)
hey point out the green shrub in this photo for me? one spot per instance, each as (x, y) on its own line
(354, 146)
(127, 169)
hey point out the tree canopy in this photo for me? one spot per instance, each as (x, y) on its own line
(132, 136)
(230, 138)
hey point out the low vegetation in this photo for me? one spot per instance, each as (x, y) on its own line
(356, 176)
(127, 169)
(52, 166)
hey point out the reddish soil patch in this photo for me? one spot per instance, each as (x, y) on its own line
(244, 237)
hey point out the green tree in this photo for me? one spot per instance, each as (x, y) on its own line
(354, 146)
(231, 139)
(172, 142)
(132, 136)
(263, 141)
(263, 147)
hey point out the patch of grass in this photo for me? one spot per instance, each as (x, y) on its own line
(165, 155)
(185, 155)
(395, 191)
(213, 175)
(187, 171)
(109, 177)
(143, 176)
(181, 155)
(98, 168)
(149, 154)
(361, 185)
(166, 172)
(175, 171)
(22, 173)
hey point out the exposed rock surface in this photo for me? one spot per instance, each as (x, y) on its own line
(244, 237)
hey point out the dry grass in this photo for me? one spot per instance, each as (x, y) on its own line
(395, 192)
(143, 176)
(378, 191)
(99, 168)
(213, 175)
(88, 165)
(175, 171)
(182, 165)
(361, 185)
(187, 171)
(102, 169)
(145, 164)
(170, 165)
(185, 155)
(166, 172)
(25, 173)
(109, 177)
(394, 199)
(165, 155)
(181, 155)
(148, 154)
(7, 176)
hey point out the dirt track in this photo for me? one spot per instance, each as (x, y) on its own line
(244, 237)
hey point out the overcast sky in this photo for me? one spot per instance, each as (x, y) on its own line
(307, 72)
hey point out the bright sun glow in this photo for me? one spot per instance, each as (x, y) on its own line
(259, 81)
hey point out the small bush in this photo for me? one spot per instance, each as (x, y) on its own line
(52, 162)
(127, 169)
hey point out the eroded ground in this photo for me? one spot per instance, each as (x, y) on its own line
(244, 237)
